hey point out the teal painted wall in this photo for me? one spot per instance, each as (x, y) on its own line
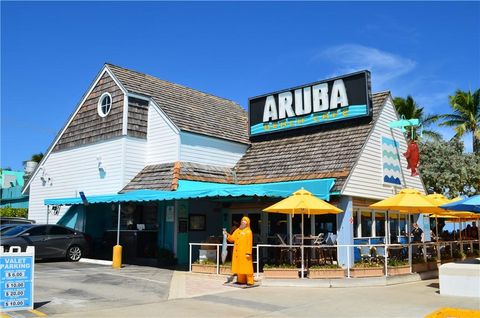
(169, 226)
(182, 237)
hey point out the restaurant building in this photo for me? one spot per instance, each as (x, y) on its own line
(181, 164)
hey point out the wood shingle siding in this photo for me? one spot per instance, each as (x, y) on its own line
(137, 117)
(87, 126)
(189, 109)
(328, 151)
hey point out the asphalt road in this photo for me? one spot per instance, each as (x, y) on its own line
(86, 290)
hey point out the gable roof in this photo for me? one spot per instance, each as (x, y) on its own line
(189, 109)
(330, 151)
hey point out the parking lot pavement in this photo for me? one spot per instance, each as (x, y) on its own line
(64, 287)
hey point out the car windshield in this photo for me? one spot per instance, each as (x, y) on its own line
(15, 230)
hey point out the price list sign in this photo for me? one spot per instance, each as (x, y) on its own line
(16, 281)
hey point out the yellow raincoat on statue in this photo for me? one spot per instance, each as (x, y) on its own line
(242, 263)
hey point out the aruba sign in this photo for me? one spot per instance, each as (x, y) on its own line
(336, 99)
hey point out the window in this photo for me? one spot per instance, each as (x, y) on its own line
(39, 230)
(57, 230)
(197, 222)
(104, 104)
(366, 223)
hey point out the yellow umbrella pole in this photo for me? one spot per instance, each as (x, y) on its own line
(301, 247)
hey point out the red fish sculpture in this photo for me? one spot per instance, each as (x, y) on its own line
(413, 157)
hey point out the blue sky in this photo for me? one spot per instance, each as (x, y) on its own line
(51, 52)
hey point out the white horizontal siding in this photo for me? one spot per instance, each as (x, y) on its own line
(211, 151)
(162, 138)
(366, 179)
(135, 157)
(74, 170)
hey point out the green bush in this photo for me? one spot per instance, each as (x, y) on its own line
(279, 266)
(325, 266)
(364, 264)
(13, 212)
(416, 260)
(205, 262)
(397, 262)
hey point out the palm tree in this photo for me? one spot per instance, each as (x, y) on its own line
(408, 108)
(466, 116)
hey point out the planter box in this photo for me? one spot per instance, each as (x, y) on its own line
(367, 272)
(398, 270)
(280, 272)
(211, 269)
(447, 260)
(326, 273)
(203, 268)
(420, 267)
(225, 270)
(432, 266)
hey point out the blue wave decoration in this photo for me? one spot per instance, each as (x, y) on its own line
(310, 120)
(390, 154)
(391, 167)
(389, 142)
(392, 179)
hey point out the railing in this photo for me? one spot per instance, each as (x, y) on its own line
(377, 255)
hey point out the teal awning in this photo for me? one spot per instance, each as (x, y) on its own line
(195, 190)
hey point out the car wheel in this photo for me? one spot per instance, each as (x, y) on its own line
(74, 253)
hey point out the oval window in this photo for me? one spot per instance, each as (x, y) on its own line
(104, 104)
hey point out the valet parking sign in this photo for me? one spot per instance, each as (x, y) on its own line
(16, 283)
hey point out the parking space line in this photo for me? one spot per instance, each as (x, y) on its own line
(38, 313)
(2, 315)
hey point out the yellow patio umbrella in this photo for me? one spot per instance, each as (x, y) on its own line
(439, 199)
(408, 201)
(303, 202)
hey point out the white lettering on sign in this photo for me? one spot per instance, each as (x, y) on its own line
(320, 97)
(270, 109)
(285, 105)
(316, 97)
(339, 95)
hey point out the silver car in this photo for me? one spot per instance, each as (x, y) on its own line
(50, 241)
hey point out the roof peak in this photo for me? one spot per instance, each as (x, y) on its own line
(170, 82)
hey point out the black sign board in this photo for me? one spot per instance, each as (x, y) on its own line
(337, 99)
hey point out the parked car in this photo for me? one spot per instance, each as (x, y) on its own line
(50, 241)
(15, 220)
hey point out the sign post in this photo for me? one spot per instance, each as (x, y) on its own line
(17, 278)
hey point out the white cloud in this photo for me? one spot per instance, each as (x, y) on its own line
(384, 66)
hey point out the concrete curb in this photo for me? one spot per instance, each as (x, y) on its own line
(95, 261)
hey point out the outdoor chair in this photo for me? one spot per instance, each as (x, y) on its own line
(365, 253)
(319, 239)
(286, 253)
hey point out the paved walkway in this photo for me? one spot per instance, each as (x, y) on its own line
(199, 295)
(86, 290)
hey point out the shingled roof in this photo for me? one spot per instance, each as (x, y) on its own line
(330, 152)
(189, 109)
(165, 176)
